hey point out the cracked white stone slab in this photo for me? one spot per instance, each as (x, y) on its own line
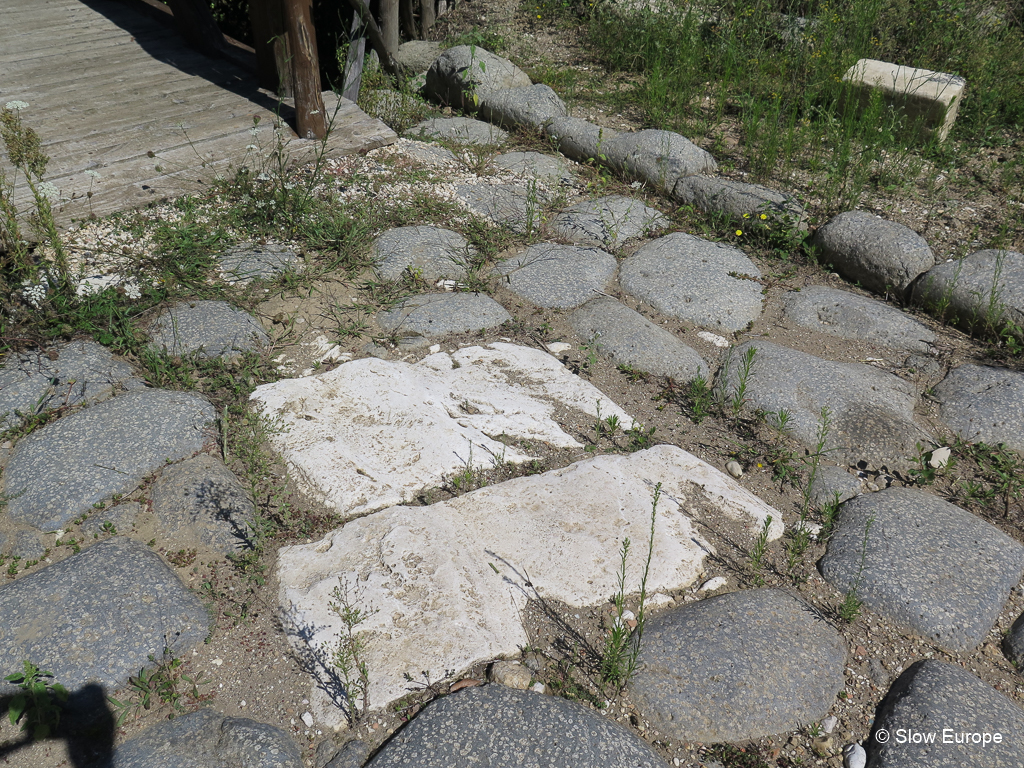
(373, 433)
(444, 585)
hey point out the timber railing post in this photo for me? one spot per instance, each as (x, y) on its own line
(270, 39)
(310, 119)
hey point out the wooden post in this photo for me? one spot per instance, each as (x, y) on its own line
(389, 26)
(428, 16)
(352, 77)
(310, 119)
(195, 23)
(405, 10)
(377, 40)
(270, 39)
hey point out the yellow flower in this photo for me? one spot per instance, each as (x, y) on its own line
(746, 215)
(764, 216)
(739, 232)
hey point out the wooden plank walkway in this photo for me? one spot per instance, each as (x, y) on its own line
(115, 93)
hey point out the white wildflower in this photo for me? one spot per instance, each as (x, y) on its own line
(264, 176)
(49, 190)
(94, 174)
(251, 147)
(15, 105)
(254, 131)
(132, 291)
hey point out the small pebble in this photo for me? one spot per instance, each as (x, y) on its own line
(307, 718)
(854, 756)
(559, 347)
(829, 723)
(939, 458)
(715, 583)
(734, 469)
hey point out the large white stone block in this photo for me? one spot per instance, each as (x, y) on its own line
(929, 100)
(445, 584)
(374, 433)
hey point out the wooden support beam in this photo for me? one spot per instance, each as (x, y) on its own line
(408, 17)
(270, 39)
(311, 122)
(389, 26)
(377, 40)
(428, 15)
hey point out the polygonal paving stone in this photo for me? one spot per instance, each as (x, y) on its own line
(500, 727)
(578, 139)
(458, 74)
(929, 565)
(510, 205)
(417, 319)
(1013, 644)
(631, 339)
(208, 739)
(871, 412)
(689, 278)
(739, 201)
(98, 616)
(461, 563)
(61, 470)
(461, 130)
(529, 107)
(608, 222)
(738, 666)
(551, 170)
(983, 289)
(68, 374)
(245, 263)
(660, 158)
(557, 276)
(951, 710)
(848, 316)
(431, 252)
(877, 254)
(984, 404)
(209, 328)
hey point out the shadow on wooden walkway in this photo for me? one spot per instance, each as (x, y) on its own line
(128, 113)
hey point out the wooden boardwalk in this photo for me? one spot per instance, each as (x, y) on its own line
(126, 111)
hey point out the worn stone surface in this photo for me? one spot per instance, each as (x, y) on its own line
(738, 666)
(608, 222)
(688, 277)
(849, 316)
(61, 470)
(431, 252)
(352, 755)
(871, 412)
(499, 727)
(933, 696)
(208, 739)
(420, 318)
(984, 404)
(740, 201)
(461, 130)
(245, 263)
(107, 609)
(372, 433)
(529, 107)
(834, 483)
(929, 566)
(417, 55)
(558, 276)
(547, 168)
(659, 158)
(983, 289)
(122, 518)
(511, 205)
(68, 374)
(207, 328)
(203, 498)
(1013, 643)
(459, 74)
(879, 255)
(578, 139)
(631, 339)
(462, 563)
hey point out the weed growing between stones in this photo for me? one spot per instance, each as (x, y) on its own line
(165, 685)
(348, 656)
(759, 550)
(849, 609)
(731, 403)
(998, 476)
(37, 705)
(801, 533)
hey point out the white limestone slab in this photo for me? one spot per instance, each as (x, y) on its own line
(373, 433)
(445, 584)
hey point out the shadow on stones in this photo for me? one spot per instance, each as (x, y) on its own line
(318, 664)
(87, 726)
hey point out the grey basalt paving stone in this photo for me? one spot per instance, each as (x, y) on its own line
(840, 313)
(245, 263)
(61, 470)
(209, 328)
(98, 615)
(462, 130)
(203, 496)
(689, 278)
(506, 728)
(433, 252)
(631, 339)
(740, 201)
(530, 107)
(660, 158)
(121, 518)
(578, 139)
(985, 288)
(509, 205)
(208, 739)
(417, 319)
(68, 374)
(880, 255)
(929, 565)
(27, 545)
(984, 404)
(832, 484)
(871, 412)
(936, 697)
(608, 222)
(1013, 644)
(738, 666)
(551, 170)
(557, 276)
(462, 71)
